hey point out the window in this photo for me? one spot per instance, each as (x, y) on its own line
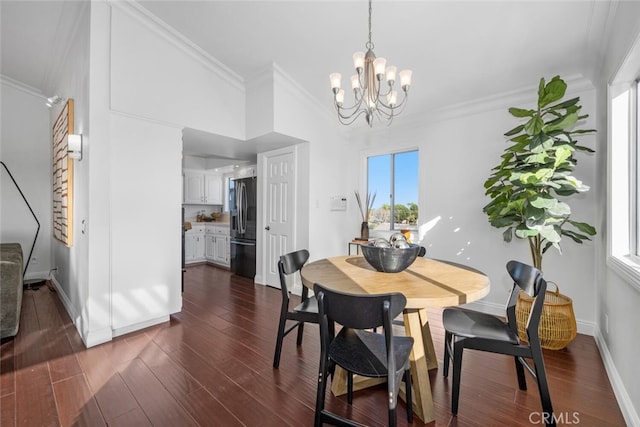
(393, 178)
(624, 167)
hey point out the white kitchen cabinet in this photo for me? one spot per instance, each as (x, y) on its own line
(209, 248)
(202, 188)
(221, 252)
(213, 189)
(217, 244)
(194, 245)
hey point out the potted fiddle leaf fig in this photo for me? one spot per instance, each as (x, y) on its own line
(529, 188)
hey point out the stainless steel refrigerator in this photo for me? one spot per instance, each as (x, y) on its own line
(243, 200)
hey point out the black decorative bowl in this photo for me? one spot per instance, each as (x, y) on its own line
(390, 260)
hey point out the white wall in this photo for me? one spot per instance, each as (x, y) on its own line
(158, 76)
(616, 298)
(25, 148)
(145, 221)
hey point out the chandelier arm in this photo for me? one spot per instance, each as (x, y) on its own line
(385, 117)
(350, 119)
(354, 107)
(397, 106)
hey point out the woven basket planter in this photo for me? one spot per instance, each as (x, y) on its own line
(557, 322)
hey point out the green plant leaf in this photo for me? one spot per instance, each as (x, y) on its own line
(552, 92)
(563, 153)
(507, 235)
(565, 104)
(534, 125)
(562, 123)
(543, 202)
(538, 139)
(560, 209)
(550, 233)
(576, 237)
(515, 130)
(584, 227)
(519, 112)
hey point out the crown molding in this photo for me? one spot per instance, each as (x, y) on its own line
(575, 83)
(18, 85)
(155, 24)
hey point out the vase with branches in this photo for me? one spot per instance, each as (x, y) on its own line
(365, 207)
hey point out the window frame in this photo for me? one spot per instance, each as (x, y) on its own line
(623, 223)
(393, 153)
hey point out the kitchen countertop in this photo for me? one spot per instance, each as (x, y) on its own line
(216, 223)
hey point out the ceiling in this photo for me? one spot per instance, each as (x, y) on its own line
(459, 51)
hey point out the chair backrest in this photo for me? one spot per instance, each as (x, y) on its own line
(528, 279)
(359, 311)
(288, 265)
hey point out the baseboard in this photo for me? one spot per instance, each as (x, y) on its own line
(91, 338)
(137, 326)
(36, 275)
(65, 302)
(629, 412)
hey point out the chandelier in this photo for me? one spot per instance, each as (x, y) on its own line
(370, 98)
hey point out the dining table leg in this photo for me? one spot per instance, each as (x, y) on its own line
(422, 358)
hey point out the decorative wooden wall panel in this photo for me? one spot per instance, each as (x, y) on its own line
(63, 177)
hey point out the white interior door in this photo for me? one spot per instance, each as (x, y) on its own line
(280, 210)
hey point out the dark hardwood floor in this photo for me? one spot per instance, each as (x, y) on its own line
(210, 365)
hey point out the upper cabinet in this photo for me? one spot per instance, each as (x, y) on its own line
(202, 188)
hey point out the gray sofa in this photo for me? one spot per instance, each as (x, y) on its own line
(10, 288)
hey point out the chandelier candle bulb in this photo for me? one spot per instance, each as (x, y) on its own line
(358, 61)
(355, 82)
(340, 97)
(335, 79)
(391, 74)
(379, 64)
(392, 98)
(405, 79)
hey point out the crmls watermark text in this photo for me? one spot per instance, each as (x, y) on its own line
(565, 418)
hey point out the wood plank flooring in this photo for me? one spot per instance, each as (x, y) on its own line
(211, 365)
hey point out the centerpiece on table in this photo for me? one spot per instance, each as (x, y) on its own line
(390, 256)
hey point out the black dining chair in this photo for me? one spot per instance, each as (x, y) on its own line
(481, 331)
(360, 351)
(289, 266)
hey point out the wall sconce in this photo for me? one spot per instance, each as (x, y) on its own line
(55, 99)
(74, 146)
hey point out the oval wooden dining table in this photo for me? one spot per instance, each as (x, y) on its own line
(425, 283)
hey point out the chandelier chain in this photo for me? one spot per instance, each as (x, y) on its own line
(369, 44)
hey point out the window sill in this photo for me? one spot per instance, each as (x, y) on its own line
(626, 268)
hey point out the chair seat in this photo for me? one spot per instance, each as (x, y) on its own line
(473, 324)
(310, 305)
(364, 353)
